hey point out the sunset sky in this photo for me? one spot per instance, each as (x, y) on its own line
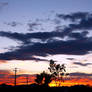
(34, 31)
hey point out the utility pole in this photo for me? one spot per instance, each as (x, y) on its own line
(15, 71)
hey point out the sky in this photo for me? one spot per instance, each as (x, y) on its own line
(34, 31)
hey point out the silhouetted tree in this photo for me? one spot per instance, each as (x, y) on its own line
(39, 78)
(43, 79)
(57, 71)
(47, 78)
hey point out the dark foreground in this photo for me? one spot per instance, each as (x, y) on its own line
(36, 88)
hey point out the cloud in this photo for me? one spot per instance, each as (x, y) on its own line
(84, 22)
(20, 55)
(32, 26)
(70, 58)
(69, 40)
(13, 23)
(74, 16)
(80, 74)
(83, 25)
(26, 38)
(15, 36)
(4, 73)
(3, 4)
(51, 48)
(79, 36)
(81, 64)
(3, 61)
(21, 75)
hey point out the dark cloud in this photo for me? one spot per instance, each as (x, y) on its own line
(13, 23)
(79, 36)
(81, 64)
(70, 58)
(43, 36)
(82, 25)
(25, 38)
(21, 55)
(15, 36)
(74, 16)
(84, 22)
(52, 48)
(33, 26)
(80, 74)
(77, 43)
(22, 75)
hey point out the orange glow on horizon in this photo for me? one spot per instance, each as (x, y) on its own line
(71, 82)
(22, 81)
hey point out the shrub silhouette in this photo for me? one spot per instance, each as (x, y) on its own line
(39, 78)
(43, 79)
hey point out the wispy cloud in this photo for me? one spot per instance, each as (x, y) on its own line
(79, 74)
(82, 64)
(13, 23)
(3, 4)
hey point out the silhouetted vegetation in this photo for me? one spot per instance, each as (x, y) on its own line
(42, 88)
(43, 79)
(57, 72)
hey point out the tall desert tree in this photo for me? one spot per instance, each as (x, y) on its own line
(57, 71)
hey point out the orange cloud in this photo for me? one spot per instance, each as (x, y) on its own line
(3, 61)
